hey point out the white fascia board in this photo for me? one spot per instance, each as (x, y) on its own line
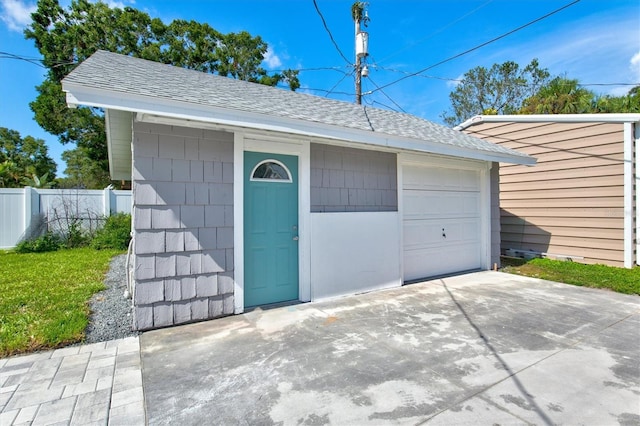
(551, 118)
(82, 95)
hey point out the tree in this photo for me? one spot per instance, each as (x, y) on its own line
(560, 96)
(22, 159)
(498, 90)
(82, 172)
(627, 103)
(65, 37)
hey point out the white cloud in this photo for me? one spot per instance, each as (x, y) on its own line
(595, 50)
(271, 59)
(16, 14)
(634, 64)
(455, 82)
(114, 4)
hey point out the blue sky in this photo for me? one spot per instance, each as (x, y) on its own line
(595, 41)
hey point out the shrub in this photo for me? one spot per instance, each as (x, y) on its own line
(46, 242)
(76, 236)
(115, 234)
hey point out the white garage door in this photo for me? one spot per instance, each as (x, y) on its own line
(441, 221)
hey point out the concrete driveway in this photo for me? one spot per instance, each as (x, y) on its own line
(482, 348)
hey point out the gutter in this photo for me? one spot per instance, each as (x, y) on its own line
(550, 118)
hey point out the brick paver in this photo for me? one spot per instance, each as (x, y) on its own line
(99, 383)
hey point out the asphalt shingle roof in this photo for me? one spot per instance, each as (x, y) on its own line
(124, 74)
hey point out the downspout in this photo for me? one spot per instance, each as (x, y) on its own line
(629, 138)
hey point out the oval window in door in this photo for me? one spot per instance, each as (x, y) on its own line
(271, 170)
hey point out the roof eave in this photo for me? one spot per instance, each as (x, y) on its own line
(551, 118)
(78, 94)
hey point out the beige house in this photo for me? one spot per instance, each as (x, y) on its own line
(581, 200)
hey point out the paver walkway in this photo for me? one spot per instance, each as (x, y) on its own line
(99, 383)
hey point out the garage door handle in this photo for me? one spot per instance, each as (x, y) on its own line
(296, 238)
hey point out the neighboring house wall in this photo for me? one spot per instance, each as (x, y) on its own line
(572, 202)
(183, 223)
(352, 180)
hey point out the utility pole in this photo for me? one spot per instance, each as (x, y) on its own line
(362, 44)
(358, 68)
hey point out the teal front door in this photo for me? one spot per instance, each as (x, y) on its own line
(270, 228)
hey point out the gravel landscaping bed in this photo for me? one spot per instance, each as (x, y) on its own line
(111, 312)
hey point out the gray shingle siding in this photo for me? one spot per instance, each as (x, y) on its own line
(183, 223)
(352, 180)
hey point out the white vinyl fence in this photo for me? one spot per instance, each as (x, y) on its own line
(23, 211)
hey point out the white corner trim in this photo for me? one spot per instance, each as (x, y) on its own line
(485, 206)
(238, 222)
(637, 185)
(400, 201)
(628, 194)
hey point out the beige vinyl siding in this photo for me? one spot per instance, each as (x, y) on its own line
(571, 202)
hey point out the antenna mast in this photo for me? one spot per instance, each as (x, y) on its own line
(360, 17)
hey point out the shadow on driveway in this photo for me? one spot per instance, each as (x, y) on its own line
(481, 348)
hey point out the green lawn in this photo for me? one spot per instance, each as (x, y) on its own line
(597, 276)
(44, 297)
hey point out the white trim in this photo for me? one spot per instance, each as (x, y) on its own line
(485, 211)
(279, 163)
(245, 141)
(89, 96)
(637, 185)
(550, 118)
(628, 194)
(238, 222)
(400, 201)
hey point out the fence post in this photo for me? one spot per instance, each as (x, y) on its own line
(31, 209)
(106, 201)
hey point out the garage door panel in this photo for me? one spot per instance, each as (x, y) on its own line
(419, 233)
(439, 261)
(440, 179)
(437, 201)
(431, 204)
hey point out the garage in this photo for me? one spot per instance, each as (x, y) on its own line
(442, 219)
(357, 176)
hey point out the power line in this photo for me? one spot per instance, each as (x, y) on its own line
(32, 60)
(479, 46)
(387, 96)
(338, 69)
(327, 91)
(339, 81)
(458, 80)
(329, 32)
(38, 62)
(384, 105)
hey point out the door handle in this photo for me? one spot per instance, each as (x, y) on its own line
(296, 238)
